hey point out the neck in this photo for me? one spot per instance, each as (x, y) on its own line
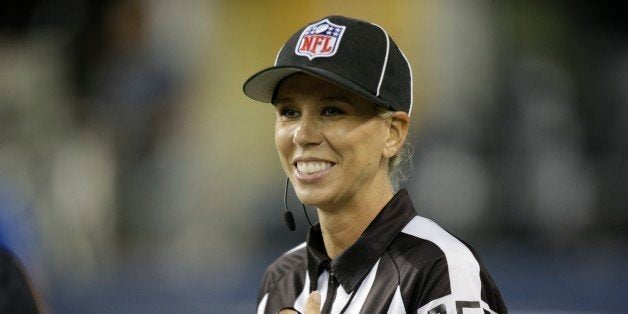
(341, 227)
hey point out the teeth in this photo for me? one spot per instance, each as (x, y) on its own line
(312, 166)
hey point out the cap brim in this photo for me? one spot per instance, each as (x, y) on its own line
(262, 84)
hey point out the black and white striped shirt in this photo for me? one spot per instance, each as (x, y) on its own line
(402, 263)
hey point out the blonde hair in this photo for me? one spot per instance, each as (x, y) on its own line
(399, 165)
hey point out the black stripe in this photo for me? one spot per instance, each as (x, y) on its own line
(383, 289)
(425, 260)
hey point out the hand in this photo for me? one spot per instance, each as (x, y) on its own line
(312, 306)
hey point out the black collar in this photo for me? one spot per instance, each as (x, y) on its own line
(353, 265)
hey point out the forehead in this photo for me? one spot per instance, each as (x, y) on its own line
(302, 85)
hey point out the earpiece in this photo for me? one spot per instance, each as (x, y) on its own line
(287, 216)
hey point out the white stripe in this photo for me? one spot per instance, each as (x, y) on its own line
(262, 305)
(298, 247)
(342, 297)
(278, 52)
(464, 270)
(381, 77)
(360, 295)
(396, 306)
(299, 303)
(322, 286)
(411, 84)
(340, 301)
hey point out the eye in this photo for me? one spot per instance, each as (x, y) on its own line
(332, 111)
(288, 112)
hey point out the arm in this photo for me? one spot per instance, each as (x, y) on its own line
(453, 288)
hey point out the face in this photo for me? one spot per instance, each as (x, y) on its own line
(331, 142)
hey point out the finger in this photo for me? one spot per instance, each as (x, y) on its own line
(288, 311)
(313, 304)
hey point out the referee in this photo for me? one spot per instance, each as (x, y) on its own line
(342, 92)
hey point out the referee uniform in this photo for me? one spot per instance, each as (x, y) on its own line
(402, 263)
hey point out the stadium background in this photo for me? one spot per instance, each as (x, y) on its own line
(135, 177)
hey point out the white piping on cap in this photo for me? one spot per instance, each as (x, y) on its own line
(278, 53)
(381, 77)
(411, 88)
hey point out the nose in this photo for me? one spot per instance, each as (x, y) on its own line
(308, 132)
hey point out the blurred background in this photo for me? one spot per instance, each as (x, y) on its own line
(135, 176)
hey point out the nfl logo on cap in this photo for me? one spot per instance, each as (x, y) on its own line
(320, 40)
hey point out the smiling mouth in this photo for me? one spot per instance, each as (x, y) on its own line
(312, 167)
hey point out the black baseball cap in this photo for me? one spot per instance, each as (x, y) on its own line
(354, 54)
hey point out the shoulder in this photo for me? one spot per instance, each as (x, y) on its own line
(283, 280)
(426, 251)
(442, 268)
(444, 248)
(438, 242)
(288, 263)
(423, 241)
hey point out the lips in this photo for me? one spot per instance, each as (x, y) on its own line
(312, 170)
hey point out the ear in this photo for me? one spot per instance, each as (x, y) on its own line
(397, 133)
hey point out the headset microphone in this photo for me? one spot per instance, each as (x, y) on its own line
(287, 216)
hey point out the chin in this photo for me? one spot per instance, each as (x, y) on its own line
(309, 199)
(312, 197)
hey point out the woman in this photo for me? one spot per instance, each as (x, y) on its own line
(342, 91)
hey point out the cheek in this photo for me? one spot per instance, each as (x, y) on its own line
(364, 146)
(283, 141)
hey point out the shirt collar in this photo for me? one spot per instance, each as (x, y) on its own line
(354, 264)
